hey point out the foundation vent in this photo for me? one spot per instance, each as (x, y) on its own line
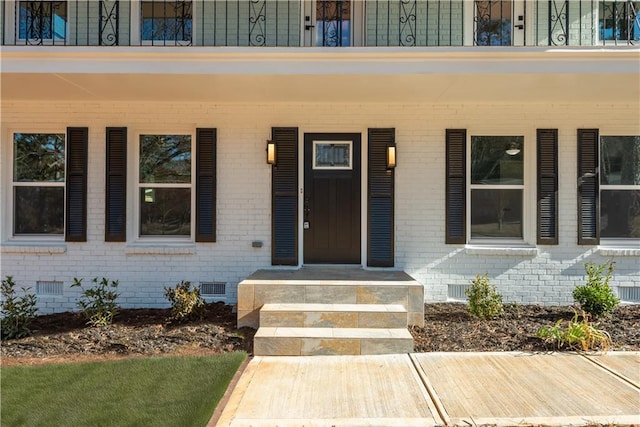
(48, 287)
(213, 288)
(629, 294)
(456, 292)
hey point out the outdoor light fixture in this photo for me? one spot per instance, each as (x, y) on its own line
(271, 153)
(391, 156)
(513, 149)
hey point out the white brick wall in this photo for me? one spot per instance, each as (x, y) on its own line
(546, 275)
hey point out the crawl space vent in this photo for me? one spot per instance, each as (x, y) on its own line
(48, 287)
(629, 293)
(212, 288)
(456, 292)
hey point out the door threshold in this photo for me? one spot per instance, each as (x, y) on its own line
(341, 266)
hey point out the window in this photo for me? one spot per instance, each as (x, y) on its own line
(38, 183)
(166, 22)
(619, 21)
(620, 187)
(332, 155)
(493, 23)
(42, 21)
(497, 185)
(333, 23)
(165, 185)
(49, 185)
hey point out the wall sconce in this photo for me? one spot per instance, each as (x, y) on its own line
(271, 153)
(513, 149)
(391, 156)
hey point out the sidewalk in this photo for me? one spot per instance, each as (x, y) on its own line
(431, 389)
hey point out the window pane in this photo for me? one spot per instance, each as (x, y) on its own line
(40, 20)
(493, 23)
(38, 157)
(619, 20)
(620, 214)
(332, 155)
(165, 158)
(496, 213)
(333, 23)
(165, 211)
(38, 210)
(497, 160)
(620, 160)
(166, 20)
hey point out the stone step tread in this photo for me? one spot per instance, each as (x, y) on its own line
(328, 333)
(349, 308)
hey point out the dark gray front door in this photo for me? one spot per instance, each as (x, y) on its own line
(332, 198)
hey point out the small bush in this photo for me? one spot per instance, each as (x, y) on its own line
(98, 303)
(186, 302)
(596, 296)
(576, 335)
(16, 312)
(485, 301)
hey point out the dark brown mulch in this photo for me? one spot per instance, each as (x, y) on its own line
(450, 327)
(145, 332)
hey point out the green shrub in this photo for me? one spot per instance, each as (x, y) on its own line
(576, 335)
(485, 301)
(98, 303)
(186, 302)
(596, 296)
(16, 312)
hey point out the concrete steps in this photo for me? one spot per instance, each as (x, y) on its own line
(333, 315)
(330, 311)
(284, 341)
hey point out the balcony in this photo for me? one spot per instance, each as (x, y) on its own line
(298, 23)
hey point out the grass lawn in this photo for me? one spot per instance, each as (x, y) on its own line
(159, 391)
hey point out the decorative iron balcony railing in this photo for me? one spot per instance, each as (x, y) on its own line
(319, 23)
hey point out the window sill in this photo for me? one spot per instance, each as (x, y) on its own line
(35, 248)
(618, 251)
(160, 249)
(526, 251)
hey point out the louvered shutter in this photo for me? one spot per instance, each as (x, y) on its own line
(456, 182)
(381, 200)
(284, 203)
(547, 172)
(206, 185)
(588, 200)
(116, 185)
(76, 185)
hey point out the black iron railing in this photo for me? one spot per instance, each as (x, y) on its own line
(324, 23)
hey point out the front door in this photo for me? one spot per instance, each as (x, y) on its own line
(499, 22)
(328, 23)
(332, 198)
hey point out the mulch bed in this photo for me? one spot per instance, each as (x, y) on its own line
(146, 332)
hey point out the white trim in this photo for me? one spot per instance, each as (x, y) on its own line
(134, 186)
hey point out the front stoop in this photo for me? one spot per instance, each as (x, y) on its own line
(329, 311)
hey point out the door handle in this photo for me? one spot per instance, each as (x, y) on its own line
(307, 210)
(308, 27)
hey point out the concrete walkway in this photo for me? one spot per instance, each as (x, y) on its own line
(431, 389)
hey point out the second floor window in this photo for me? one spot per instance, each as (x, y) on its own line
(166, 22)
(42, 21)
(619, 21)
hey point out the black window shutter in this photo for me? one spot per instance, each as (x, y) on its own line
(456, 186)
(116, 185)
(547, 173)
(206, 185)
(76, 184)
(588, 200)
(284, 194)
(381, 200)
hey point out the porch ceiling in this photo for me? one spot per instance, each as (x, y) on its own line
(241, 75)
